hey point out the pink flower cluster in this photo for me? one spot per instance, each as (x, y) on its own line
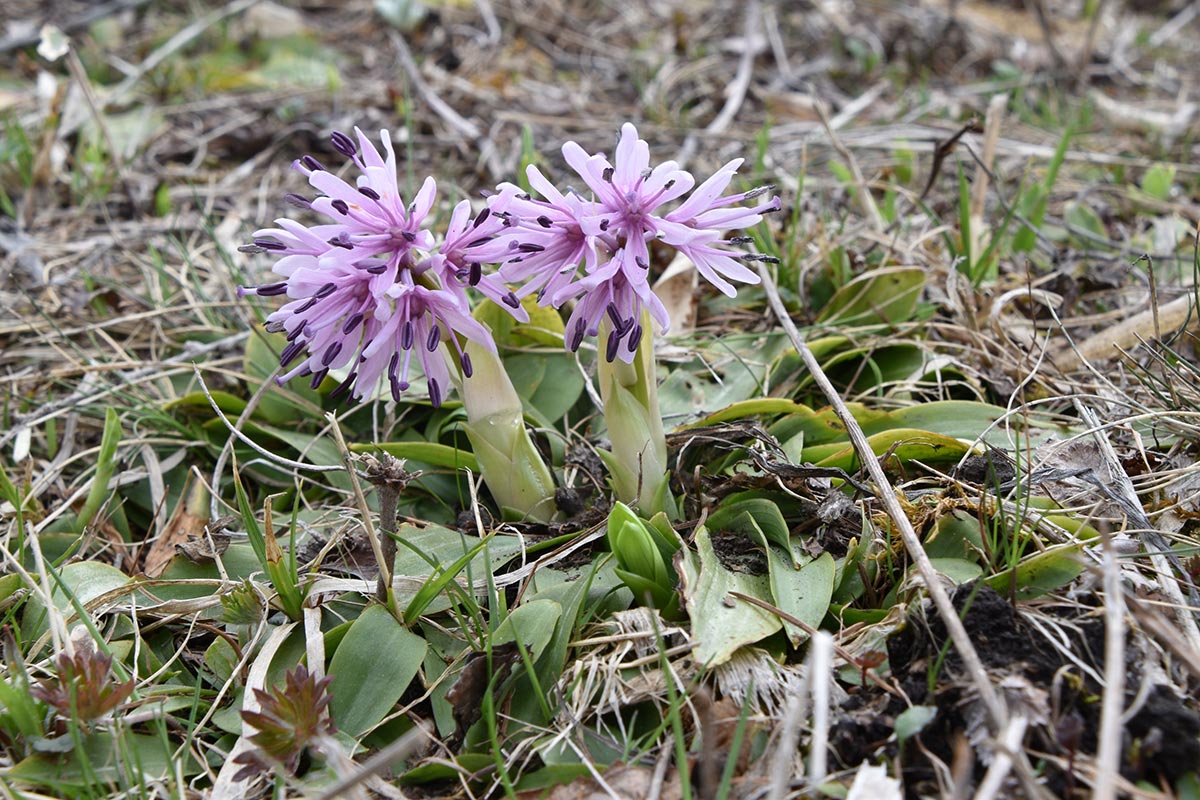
(373, 287)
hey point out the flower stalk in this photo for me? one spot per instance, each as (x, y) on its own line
(511, 466)
(638, 459)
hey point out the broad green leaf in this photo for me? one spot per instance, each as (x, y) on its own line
(230, 404)
(105, 462)
(955, 535)
(547, 383)
(1040, 573)
(887, 295)
(913, 720)
(371, 669)
(721, 623)
(958, 570)
(84, 580)
(902, 444)
(432, 453)
(1082, 216)
(104, 762)
(1157, 181)
(279, 405)
(766, 517)
(532, 624)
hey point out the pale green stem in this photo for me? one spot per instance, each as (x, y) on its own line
(512, 468)
(638, 462)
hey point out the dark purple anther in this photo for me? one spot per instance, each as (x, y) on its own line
(306, 305)
(272, 289)
(343, 386)
(530, 247)
(544, 221)
(378, 269)
(740, 239)
(391, 370)
(476, 274)
(311, 163)
(607, 175)
(406, 335)
(352, 322)
(435, 393)
(340, 206)
(478, 242)
(467, 369)
(325, 291)
(342, 240)
(317, 377)
(331, 353)
(577, 336)
(291, 337)
(270, 244)
(290, 352)
(343, 144)
(511, 300)
(641, 262)
(614, 342)
(635, 338)
(397, 387)
(483, 215)
(297, 200)
(604, 224)
(435, 338)
(367, 191)
(614, 315)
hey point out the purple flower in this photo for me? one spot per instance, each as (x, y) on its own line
(373, 287)
(609, 235)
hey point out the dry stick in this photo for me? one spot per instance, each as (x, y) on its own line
(403, 747)
(1108, 755)
(741, 80)
(997, 714)
(864, 191)
(1010, 744)
(385, 569)
(820, 674)
(438, 105)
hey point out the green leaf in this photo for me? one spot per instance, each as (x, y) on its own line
(432, 453)
(1082, 216)
(549, 384)
(887, 295)
(279, 405)
(767, 518)
(532, 624)
(912, 721)
(84, 580)
(230, 404)
(1158, 180)
(1040, 573)
(371, 669)
(105, 462)
(104, 761)
(720, 623)
(902, 444)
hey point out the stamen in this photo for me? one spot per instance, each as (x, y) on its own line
(342, 240)
(614, 342)
(577, 336)
(270, 244)
(343, 144)
(290, 352)
(483, 215)
(467, 369)
(608, 176)
(325, 291)
(297, 200)
(476, 274)
(478, 242)
(511, 300)
(250, 248)
(367, 191)
(352, 322)
(340, 206)
(271, 289)
(311, 163)
(635, 338)
(331, 353)
(435, 338)
(530, 247)
(435, 393)
(317, 377)
(341, 388)
(544, 221)
(406, 335)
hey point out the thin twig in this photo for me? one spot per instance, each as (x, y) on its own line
(997, 713)
(1108, 754)
(741, 80)
(439, 106)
